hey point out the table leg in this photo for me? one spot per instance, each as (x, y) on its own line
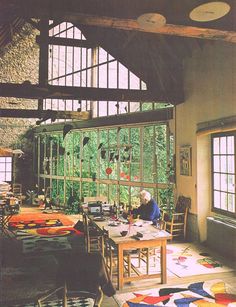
(120, 267)
(163, 263)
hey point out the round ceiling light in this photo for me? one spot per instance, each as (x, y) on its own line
(209, 11)
(151, 21)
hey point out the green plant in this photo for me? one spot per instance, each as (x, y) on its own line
(166, 197)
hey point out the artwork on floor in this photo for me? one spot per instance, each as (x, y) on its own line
(34, 224)
(184, 259)
(200, 294)
(42, 244)
(191, 259)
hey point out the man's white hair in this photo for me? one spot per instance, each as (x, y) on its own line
(145, 195)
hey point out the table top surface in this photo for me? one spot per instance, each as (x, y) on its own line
(139, 231)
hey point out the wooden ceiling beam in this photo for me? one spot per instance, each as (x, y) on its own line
(45, 114)
(168, 29)
(61, 41)
(131, 25)
(35, 91)
(122, 120)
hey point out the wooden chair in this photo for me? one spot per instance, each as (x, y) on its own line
(93, 237)
(176, 222)
(111, 257)
(61, 297)
(81, 280)
(147, 253)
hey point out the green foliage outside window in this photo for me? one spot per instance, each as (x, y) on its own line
(83, 159)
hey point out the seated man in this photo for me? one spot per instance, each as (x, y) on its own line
(149, 209)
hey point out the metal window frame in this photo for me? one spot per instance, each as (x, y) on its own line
(213, 208)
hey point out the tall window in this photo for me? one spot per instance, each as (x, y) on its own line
(223, 173)
(6, 169)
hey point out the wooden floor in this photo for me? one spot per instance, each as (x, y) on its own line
(228, 277)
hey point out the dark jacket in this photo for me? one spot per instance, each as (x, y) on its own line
(148, 212)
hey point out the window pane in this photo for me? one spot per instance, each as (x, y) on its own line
(217, 199)
(2, 167)
(216, 144)
(2, 176)
(230, 144)
(223, 182)
(216, 182)
(223, 200)
(223, 165)
(223, 145)
(8, 176)
(8, 167)
(230, 164)
(231, 183)
(231, 203)
(216, 164)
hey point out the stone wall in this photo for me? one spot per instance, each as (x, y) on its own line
(18, 63)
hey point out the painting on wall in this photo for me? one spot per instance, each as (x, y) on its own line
(185, 160)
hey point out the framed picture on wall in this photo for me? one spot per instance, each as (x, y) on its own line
(185, 156)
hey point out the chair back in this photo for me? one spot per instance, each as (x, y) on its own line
(183, 204)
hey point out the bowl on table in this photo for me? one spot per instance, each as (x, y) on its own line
(124, 233)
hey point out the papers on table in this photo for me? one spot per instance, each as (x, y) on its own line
(148, 235)
(142, 223)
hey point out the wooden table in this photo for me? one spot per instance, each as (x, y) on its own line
(152, 237)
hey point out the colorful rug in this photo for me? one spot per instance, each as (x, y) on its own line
(42, 216)
(200, 294)
(190, 259)
(34, 224)
(48, 232)
(42, 244)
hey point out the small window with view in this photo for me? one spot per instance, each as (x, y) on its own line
(223, 173)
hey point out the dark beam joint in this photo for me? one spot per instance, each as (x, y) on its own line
(60, 41)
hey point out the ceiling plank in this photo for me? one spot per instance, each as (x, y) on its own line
(168, 29)
(35, 91)
(132, 25)
(29, 113)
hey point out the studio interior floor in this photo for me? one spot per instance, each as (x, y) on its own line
(23, 274)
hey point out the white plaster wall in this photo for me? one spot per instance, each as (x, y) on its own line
(210, 93)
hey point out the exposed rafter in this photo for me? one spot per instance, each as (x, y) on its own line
(130, 24)
(32, 91)
(24, 113)
(168, 29)
(61, 41)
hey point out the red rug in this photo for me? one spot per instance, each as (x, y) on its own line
(54, 231)
(24, 217)
(34, 224)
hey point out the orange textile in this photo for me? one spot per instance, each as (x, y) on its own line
(42, 216)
